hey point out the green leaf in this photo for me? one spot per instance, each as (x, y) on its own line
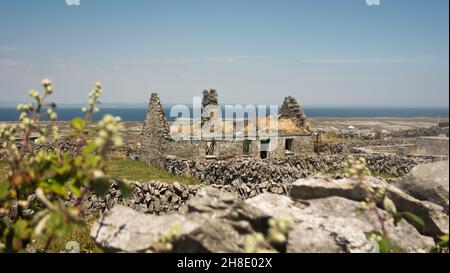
(125, 188)
(443, 241)
(56, 225)
(4, 189)
(78, 124)
(88, 149)
(61, 231)
(412, 217)
(20, 229)
(92, 161)
(101, 187)
(386, 246)
(59, 189)
(75, 187)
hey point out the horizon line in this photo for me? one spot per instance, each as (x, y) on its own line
(12, 104)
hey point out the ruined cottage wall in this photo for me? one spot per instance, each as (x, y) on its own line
(155, 131)
(279, 149)
(225, 149)
(196, 150)
(184, 149)
(303, 145)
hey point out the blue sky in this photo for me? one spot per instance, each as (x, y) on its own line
(324, 52)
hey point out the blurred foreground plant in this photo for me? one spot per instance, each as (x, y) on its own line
(38, 182)
(276, 237)
(357, 169)
(441, 245)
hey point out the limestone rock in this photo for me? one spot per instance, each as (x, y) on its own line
(332, 225)
(125, 230)
(208, 227)
(434, 216)
(428, 182)
(217, 221)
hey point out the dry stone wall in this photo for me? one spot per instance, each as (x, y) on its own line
(284, 170)
(374, 135)
(151, 198)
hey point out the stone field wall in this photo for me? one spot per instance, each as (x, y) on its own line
(283, 170)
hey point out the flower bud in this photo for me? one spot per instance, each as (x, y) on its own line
(34, 94)
(49, 89)
(98, 174)
(46, 82)
(53, 116)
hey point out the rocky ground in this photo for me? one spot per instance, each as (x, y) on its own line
(226, 218)
(323, 213)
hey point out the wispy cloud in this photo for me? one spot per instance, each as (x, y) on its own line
(357, 61)
(11, 63)
(8, 48)
(210, 60)
(234, 59)
(65, 66)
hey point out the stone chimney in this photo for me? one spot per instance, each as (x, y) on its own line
(155, 124)
(210, 105)
(210, 97)
(292, 110)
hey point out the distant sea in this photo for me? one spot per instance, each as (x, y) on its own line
(138, 114)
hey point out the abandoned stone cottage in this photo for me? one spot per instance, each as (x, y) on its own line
(293, 136)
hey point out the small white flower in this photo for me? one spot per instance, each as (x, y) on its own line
(103, 134)
(99, 142)
(117, 141)
(41, 140)
(53, 116)
(46, 82)
(98, 174)
(34, 93)
(49, 89)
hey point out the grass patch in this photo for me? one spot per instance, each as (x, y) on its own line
(130, 170)
(77, 233)
(139, 171)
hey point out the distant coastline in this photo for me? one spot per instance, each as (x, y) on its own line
(138, 113)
